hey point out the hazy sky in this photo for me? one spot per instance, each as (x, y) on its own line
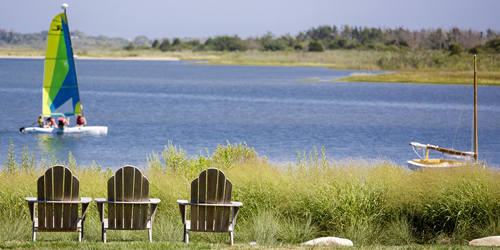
(204, 18)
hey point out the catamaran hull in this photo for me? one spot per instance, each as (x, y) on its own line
(95, 130)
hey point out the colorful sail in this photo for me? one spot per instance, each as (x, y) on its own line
(60, 88)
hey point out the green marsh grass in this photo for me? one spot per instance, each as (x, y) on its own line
(373, 202)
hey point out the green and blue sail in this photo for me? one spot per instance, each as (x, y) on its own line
(60, 87)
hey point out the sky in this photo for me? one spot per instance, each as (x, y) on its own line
(209, 18)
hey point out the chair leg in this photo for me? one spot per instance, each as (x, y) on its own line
(186, 236)
(80, 232)
(150, 232)
(104, 235)
(231, 236)
(34, 234)
(102, 232)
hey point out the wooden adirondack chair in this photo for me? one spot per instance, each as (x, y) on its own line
(58, 191)
(210, 205)
(128, 201)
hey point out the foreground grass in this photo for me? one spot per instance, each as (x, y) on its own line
(374, 203)
(157, 245)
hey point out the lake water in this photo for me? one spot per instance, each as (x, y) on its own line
(145, 104)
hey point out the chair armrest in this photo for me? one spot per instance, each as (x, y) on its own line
(233, 204)
(154, 200)
(236, 203)
(100, 200)
(34, 200)
(86, 199)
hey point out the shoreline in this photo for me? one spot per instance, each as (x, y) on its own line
(131, 58)
(488, 78)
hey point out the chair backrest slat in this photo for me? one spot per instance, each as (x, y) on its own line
(202, 199)
(111, 207)
(67, 197)
(227, 210)
(221, 182)
(119, 197)
(41, 206)
(212, 174)
(194, 209)
(129, 185)
(128, 195)
(75, 191)
(49, 197)
(136, 210)
(144, 207)
(58, 195)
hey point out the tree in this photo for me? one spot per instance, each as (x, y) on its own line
(155, 43)
(141, 40)
(130, 46)
(455, 49)
(226, 43)
(165, 45)
(176, 42)
(316, 46)
(494, 44)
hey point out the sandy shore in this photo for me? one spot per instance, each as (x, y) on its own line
(99, 58)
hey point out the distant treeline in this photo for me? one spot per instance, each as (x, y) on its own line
(315, 39)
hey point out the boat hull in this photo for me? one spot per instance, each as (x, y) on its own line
(434, 164)
(95, 130)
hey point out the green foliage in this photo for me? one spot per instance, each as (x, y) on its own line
(165, 45)
(269, 43)
(494, 45)
(315, 46)
(230, 155)
(176, 42)
(455, 49)
(263, 227)
(72, 162)
(9, 163)
(297, 230)
(155, 44)
(226, 43)
(130, 46)
(27, 162)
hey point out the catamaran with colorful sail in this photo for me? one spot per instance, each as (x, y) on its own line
(60, 84)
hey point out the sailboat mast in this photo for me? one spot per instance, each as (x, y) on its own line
(475, 110)
(64, 7)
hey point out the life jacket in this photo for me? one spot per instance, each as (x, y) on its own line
(79, 121)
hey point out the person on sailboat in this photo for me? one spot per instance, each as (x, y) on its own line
(50, 123)
(62, 121)
(81, 121)
(41, 122)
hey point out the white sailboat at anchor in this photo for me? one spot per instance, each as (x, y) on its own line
(467, 157)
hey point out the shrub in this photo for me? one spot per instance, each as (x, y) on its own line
(455, 49)
(316, 46)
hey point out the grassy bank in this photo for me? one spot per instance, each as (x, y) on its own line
(411, 66)
(429, 77)
(371, 202)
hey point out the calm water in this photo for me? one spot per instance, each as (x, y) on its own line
(145, 104)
